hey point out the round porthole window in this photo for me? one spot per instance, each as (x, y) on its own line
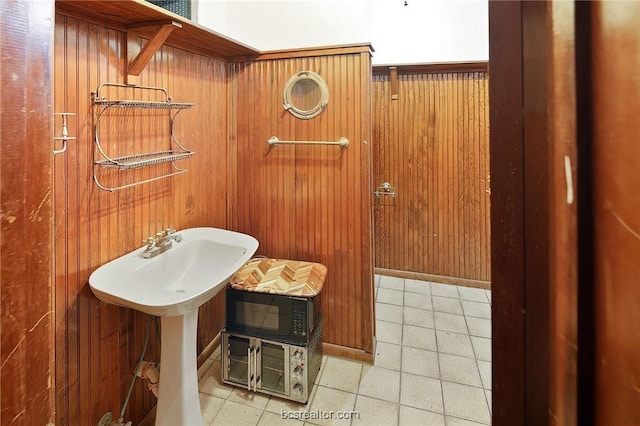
(306, 95)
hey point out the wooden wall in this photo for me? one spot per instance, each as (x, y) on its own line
(311, 202)
(98, 345)
(432, 145)
(615, 63)
(26, 316)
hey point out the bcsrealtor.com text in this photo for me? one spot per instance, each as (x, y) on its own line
(319, 414)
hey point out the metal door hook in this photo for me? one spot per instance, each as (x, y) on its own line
(385, 189)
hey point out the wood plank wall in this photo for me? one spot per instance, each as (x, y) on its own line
(311, 202)
(98, 345)
(26, 316)
(615, 58)
(432, 145)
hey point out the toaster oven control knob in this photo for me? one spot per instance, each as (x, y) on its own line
(298, 355)
(298, 388)
(298, 370)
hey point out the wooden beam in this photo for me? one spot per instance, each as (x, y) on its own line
(151, 47)
(393, 78)
(433, 68)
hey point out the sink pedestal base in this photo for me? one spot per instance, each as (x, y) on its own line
(179, 401)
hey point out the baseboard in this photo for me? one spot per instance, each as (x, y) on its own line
(209, 349)
(346, 352)
(465, 282)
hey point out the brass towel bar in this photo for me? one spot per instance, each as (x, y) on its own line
(343, 142)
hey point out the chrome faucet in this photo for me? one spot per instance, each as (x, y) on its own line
(161, 243)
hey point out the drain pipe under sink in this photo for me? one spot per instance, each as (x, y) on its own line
(148, 370)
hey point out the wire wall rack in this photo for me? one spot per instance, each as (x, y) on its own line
(175, 151)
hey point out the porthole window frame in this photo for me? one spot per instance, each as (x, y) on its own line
(318, 108)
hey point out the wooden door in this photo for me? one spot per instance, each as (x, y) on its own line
(615, 67)
(431, 145)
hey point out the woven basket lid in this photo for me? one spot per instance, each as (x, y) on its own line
(277, 276)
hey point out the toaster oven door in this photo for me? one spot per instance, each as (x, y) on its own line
(255, 364)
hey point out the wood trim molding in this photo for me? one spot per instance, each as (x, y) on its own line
(346, 352)
(432, 68)
(209, 350)
(434, 278)
(507, 214)
(305, 53)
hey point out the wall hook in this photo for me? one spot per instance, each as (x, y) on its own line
(64, 134)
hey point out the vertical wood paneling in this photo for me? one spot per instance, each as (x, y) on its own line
(26, 320)
(432, 145)
(311, 202)
(98, 345)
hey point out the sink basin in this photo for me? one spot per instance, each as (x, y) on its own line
(179, 280)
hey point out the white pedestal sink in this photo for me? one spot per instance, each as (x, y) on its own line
(172, 286)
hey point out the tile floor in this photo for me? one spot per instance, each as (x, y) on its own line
(432, 367)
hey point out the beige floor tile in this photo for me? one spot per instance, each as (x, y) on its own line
(454, 421)
(458, 369)
(374, 412)
(236, 414)
(420, 301)
(380, 383)
(393, 283)
(211, 382)
(420, 362)
(487, 392)
(249, 398)
(480, 327)
(445, 290)
(392, 297)
(473, 294)
(410, 416)
(419, 337)
(476, 309)
(446, 304)
(418, 317)
(276, 405)
(389, 332)
(387, 356)
(453, 343)
(341, 374)
(273, 419)
(204, 368)
(482, 348)
(417, 286)
(450, 322)
(389, 313)
(465, 402)
(485, 373)
(421, 392)
(210, 406)
(331, 400)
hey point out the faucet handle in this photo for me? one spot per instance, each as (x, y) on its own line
(169, 231)
(149, 242)
(160, 235)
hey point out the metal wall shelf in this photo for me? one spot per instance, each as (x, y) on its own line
(127, 162)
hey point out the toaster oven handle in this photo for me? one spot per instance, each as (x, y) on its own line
(249, 368)
(255, 369)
